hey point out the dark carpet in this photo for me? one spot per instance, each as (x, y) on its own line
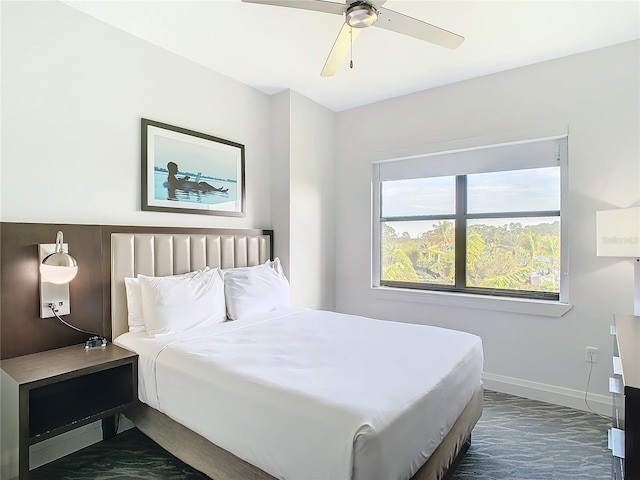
(516, 439)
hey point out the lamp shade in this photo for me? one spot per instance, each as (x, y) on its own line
(618, 232)
(59, 268)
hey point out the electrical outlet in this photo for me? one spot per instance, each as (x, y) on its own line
(591, 355)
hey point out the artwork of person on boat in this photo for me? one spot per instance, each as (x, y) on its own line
(186, 185)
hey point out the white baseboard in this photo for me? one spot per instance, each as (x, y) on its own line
(69, 442)
(601, 404)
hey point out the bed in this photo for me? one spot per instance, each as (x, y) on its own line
(288, 392)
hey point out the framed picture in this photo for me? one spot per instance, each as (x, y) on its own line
(191, 172)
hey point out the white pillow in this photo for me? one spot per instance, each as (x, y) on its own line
(134, 305)
(275, 264)
(135, 317)
(254, 290)
(177, 303)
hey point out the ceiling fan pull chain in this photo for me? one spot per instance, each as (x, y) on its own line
(351, 37)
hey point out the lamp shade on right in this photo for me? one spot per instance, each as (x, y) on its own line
(618, 232)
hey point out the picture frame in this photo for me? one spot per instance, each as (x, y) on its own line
(184, 171)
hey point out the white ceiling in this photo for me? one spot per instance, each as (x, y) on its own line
(275, 48)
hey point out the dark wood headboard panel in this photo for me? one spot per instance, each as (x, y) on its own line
(22, 331)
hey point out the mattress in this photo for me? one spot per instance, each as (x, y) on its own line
(307, 394)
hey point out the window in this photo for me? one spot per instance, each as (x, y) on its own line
(483, 221)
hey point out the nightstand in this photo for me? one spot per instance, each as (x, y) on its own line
(51, 392)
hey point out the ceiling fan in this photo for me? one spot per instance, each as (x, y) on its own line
(362, 14)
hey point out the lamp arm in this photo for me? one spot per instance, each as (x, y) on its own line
(59, 242)
(55, 313)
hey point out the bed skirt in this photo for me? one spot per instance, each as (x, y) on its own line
(219, 464)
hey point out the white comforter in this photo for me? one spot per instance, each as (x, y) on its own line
(306, 394)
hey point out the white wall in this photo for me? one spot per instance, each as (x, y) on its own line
(312, 204)
(73, 92)
(595, 94)
(280, 176)
(303, 208)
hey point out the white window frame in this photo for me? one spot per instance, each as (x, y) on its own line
(479, 158)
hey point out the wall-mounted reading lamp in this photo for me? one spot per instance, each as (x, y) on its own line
(618, 234)
(57, 269)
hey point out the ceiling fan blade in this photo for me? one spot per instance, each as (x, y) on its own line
(377, 3)
(340, 49)
(397, 22)
(316, 5)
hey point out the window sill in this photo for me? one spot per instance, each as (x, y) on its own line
(527, 306)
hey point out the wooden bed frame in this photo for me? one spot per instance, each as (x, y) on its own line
(159, 252)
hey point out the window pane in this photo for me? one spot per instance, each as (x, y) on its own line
(514, 254)
(535, 189)
(419, 196)
(418, 252)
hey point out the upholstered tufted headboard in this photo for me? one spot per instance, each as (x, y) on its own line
(167, 253)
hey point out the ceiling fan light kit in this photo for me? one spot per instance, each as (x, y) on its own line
(361, 14)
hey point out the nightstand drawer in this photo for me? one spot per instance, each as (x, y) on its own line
(616, 388)
(615, 442)
(617, 366)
